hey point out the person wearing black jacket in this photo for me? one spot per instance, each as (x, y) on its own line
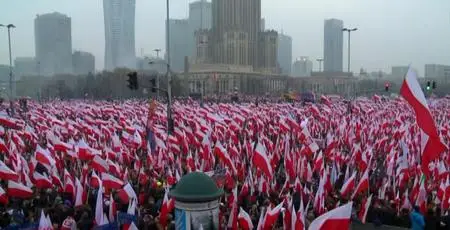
(431, 221)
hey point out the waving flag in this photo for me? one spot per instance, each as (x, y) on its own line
(338, 218)
(431, 145)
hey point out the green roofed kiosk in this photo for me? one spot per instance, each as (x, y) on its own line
(196, 202)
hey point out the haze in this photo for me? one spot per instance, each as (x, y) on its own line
(399, 32)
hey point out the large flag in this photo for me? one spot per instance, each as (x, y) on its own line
(431, 145)
(338, 218)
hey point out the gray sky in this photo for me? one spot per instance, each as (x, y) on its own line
(391, 32)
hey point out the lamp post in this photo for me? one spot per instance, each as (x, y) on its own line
(320, 60)
(11, 93)
(349, 31)
(169, 78)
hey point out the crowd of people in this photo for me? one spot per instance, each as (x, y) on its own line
(315, 158)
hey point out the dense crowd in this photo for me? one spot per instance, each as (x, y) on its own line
(313, 152)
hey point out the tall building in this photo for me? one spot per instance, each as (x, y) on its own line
(236, 25)
(302, 67)
(25, 66)
(268, 48)
(284, 54)
(263, 24)
(53, 43)
(119, 17)
(200, 18)
(333, 45)
(179, 45)
(83, 63)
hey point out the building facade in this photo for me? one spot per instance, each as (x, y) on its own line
(284, 54)
(236, 26)
(333, 45)
(437, 72)
(200, 18)
(179, 45)
(302, 67)
(119, 17)
(83, 63)
(25, 66)
(268, 48)
(53, 43)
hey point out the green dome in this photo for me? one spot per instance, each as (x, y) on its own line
(196, 187)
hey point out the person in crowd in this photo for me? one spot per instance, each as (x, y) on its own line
(417, 220)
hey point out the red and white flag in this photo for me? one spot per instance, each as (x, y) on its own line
(261, 160)
(109, 181)
(431, 145)
(3, 197)
(364, 209)
(41, 181)
(245, 222)
(6, 173)
(336, 219)
(363, 184)
(19, 190)
(348, 186)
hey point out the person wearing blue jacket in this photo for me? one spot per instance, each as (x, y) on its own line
(417, 220)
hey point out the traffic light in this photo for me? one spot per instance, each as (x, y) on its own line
(428, 85)
(386, 86)
(153, 82)
(433, 86)
(132, 81)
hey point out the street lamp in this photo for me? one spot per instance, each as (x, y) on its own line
(169, 78)
(11, 96)
(349, 31)
(320, 60)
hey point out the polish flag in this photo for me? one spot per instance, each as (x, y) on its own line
(261, 160)
(245, 222)
(363, 184)
(338, 218)
(79, 193)
(166, 207)
(99, 207)
(112, 209)
(222, 153)
(272, 216)
(43, 156)
(347, 187)
(95, 180)
(127, 193)
(364, 209)
(84, 151)
(3, 197)
(99, 164)
(6, 173)
(41, 181)
(19, 190)
(112, 182)
(431, 144)
(55, 178)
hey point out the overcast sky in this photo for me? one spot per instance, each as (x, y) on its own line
(391, 32)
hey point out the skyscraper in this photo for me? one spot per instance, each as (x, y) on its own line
(119, 16)
(333, 45)
(200, 18)
(284, 54)
(236, 25)
(53, 43)
(179, 45)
